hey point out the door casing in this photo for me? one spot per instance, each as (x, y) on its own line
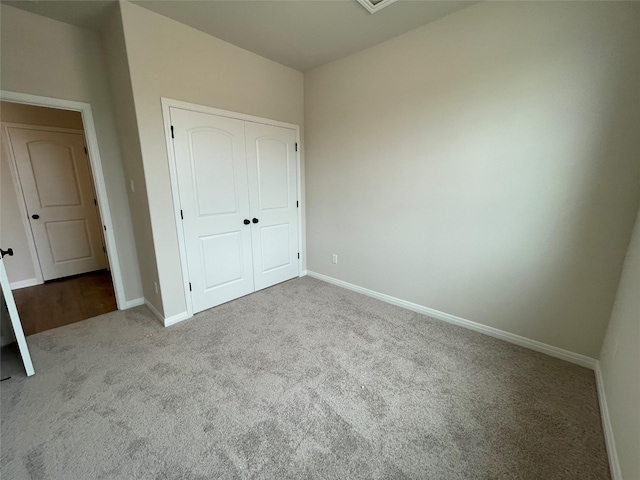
(100, 186)
(167, 103)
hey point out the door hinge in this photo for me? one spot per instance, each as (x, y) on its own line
(95, 202)
(86, 152)
(105, 227)
(298, 254)
(296, 146)
(190, 287)
(104, 250)
(172, 132)
(297, 204)
(181, 215)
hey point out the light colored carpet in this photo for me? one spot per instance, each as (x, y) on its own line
(302, 380)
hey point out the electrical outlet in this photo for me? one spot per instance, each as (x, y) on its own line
(155, 284)
(334, 258)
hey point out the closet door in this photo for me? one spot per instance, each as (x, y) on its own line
(212, 178)
(271, 166)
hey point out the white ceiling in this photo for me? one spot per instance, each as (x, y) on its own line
(302, 34)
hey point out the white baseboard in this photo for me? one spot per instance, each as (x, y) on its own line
(614, 463)
(136, 302)
(167, 322)
(582, 360)
(176, 319)
(153, 310)
(572, 357)
(304, 273)
(30, 282)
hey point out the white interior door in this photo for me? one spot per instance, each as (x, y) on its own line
(56, 183)
(212, 181)
(271, 165)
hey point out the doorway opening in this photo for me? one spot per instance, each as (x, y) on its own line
(51, 218)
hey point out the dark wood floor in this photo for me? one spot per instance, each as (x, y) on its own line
(65, 301)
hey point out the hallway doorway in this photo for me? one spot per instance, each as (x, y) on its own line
(51, 219)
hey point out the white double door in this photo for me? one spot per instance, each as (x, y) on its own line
(237, 185)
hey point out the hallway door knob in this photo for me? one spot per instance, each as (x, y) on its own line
(8, 251)
(255, 220)
(247, 221)
(35, 216)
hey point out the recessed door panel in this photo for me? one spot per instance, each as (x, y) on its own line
(222, 259)
(276, 248)
(273, 173)
(69, 240)
(213, 171)
(55, 176)
(212, 180)
(271, 168)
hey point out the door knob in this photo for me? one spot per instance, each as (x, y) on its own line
(35, 216)
(8, 251)
(247, 221)
(255, 220)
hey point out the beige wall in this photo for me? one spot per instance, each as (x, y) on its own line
(20, 266)
(41, 116)
(620, 362)
(484, 165)
(169, 59)
(120, 80)
(45, 57)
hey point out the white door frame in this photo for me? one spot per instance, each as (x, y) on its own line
(167, 103)
(98, 177)
(5, 289)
